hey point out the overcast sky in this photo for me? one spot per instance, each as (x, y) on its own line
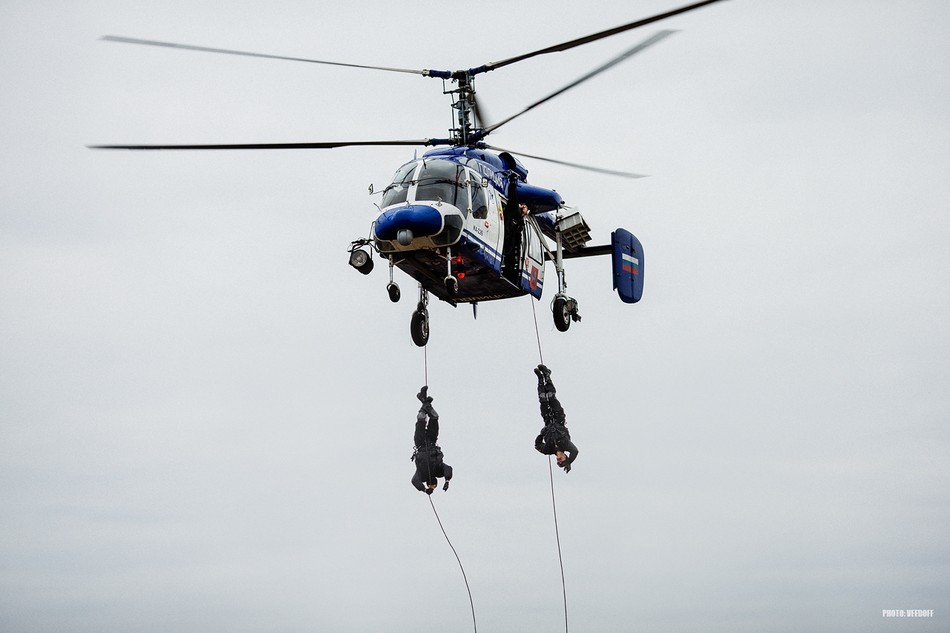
(206, 415)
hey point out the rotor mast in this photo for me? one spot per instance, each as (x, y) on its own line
(464, 105)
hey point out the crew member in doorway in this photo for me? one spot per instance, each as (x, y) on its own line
(514, 232)
(427, 454)
(554, 438)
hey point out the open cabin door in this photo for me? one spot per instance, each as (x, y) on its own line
(532, 273)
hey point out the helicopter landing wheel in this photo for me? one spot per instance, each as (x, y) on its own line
(565, 311)
(562, 317)
(419, 327)
(451, 286)
(393, 289)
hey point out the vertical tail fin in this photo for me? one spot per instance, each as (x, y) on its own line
(628, 265)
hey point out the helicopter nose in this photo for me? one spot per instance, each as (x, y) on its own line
(416, 220)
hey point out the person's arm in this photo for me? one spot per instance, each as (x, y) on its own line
(571, 450)
(448, 475)
(539, 443)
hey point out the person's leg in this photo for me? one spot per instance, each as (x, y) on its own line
(432, 429)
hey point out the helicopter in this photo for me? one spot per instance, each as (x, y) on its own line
(468, 227)
(462, 219)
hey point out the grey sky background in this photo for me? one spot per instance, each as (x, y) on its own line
(206, 415)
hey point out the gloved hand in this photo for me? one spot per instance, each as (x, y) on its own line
(428, 491)
(446, 486)
(566, 467)
(422, 393)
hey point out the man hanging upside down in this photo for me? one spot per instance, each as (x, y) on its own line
(554, 438)
(427, 454)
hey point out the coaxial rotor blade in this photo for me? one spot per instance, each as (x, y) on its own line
(591, 38)
(613, 62)
(442, 74)
(599, 170)
(225, 51)
(480, 120)
(324, 145)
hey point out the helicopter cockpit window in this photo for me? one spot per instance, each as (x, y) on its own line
(398, 191)
(479, 200)
(442, 180)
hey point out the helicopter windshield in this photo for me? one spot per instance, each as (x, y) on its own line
(442, 180)
(398, 191)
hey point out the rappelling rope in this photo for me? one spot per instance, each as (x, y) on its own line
(557, 535)
(464, 577)
(537, 334)
(425, 365)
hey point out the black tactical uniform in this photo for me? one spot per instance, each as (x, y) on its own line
(427, 454)
(554, 436)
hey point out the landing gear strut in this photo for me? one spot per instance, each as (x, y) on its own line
(419, 325)
(451, 281)
(564, 307)
(392, 287)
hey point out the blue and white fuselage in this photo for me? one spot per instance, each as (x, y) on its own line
(458, 211)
